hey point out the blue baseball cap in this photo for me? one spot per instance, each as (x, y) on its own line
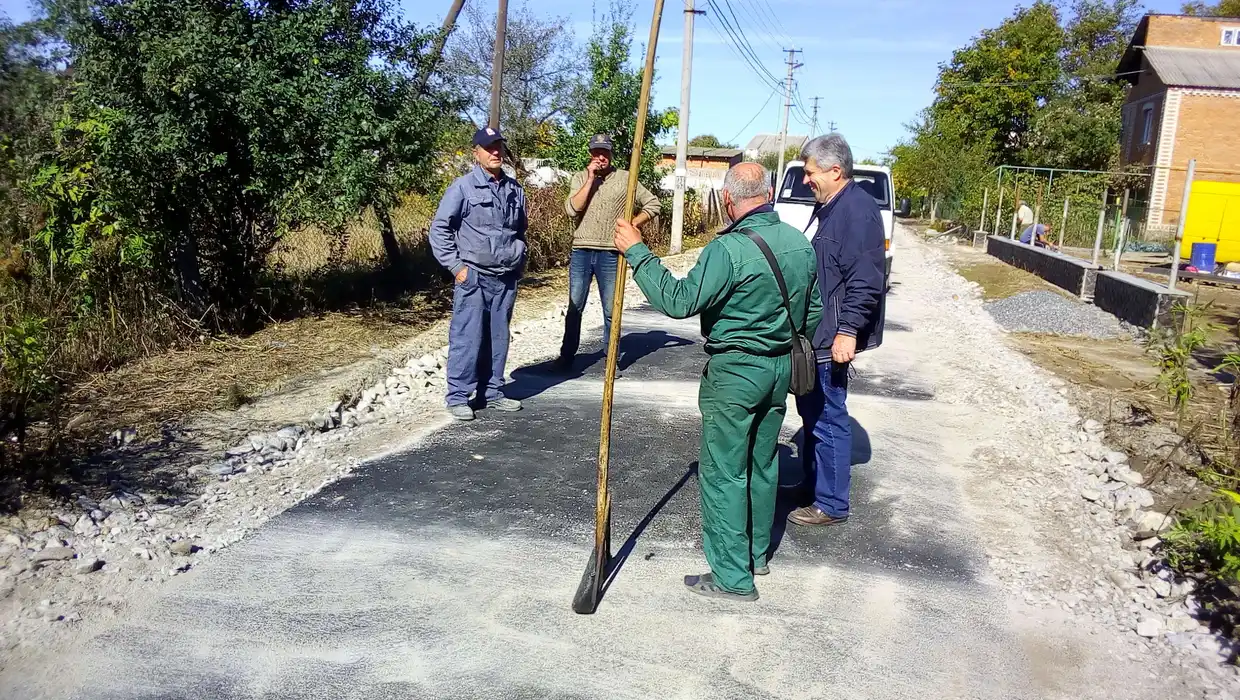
(487, 136)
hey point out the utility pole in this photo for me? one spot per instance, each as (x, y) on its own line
(682, 134)
(449, 23)
(497, 67)
(783, 133)
(831, 126)
(813, 128)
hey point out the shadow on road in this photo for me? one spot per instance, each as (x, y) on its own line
(533, 380)
(792, 473)
(621, 556)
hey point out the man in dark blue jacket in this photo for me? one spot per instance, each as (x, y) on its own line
(850, 247)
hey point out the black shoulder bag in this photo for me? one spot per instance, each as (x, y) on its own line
(804, 365)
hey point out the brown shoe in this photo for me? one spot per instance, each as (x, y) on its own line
(812, 515)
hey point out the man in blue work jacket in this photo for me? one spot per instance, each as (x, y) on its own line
(850, 248)
(478, 235)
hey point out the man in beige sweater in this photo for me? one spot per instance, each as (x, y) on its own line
(595, 201)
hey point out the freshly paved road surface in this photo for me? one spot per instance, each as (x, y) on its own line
(447, 571)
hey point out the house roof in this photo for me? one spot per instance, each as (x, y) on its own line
(1130, 62)
(1207, 68)
(700, 152)
(769, 143)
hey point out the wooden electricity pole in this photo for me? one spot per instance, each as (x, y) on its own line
(497, 66)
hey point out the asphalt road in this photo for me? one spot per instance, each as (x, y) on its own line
(447, 571)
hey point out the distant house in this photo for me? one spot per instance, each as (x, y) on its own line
(705, 166)
(1183, 103)
(763, 144)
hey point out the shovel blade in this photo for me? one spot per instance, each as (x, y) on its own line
(590, 590)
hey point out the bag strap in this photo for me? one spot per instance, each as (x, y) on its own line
(779, 276)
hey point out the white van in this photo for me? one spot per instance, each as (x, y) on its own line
(794, 200)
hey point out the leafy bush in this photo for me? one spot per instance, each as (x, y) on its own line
(1207, 540)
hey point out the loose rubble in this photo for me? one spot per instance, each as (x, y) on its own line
(1054, 314)
(1090, 535)
(86, 560)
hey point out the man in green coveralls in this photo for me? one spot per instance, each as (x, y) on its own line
(745, 385)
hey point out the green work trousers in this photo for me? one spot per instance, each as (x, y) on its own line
(742, 400)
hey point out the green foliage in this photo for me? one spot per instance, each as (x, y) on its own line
(542, 75)
(1037, 90)
(1175, 351)
(770, 161)
(1223, 8)
(230, 123)
(608, 104)
(24, 354)
(993, 87)
(1207, 539)
(709, 141)
(942, 160)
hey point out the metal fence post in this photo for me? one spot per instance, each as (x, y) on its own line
(1102, 219)
(999, 209)
(985, 204)
(1037, 215)
(1063, 223)
(1015, 211)
(1179, 227)
(1119, 245)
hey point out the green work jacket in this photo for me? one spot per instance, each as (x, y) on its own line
(734, 290)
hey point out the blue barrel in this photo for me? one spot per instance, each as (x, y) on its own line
(1201, 256)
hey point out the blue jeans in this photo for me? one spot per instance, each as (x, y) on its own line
(826, 452)
(584, 264)
(478, 336)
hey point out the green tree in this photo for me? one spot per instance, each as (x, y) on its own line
(709, 141)
(940, 162)
(1223, 8)
(1079, 126)
(29, 80)
(994, 86)
(542, 68)
(608, 104)
(770, 161)
(209, 128)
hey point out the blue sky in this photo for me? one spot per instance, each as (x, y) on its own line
(873, 62)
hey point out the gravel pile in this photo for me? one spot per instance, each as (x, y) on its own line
(1051, 313)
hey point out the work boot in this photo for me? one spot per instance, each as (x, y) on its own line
(813, 515)
(505, 404)
(704, 584)
(461, 412)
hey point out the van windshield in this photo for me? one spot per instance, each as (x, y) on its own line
(795, 190)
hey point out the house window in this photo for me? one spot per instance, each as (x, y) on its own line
(1147, 124)
(1231, 36)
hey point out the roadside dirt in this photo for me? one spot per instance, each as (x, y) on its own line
(1115, 381)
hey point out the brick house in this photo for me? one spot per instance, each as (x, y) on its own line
(1183, 102)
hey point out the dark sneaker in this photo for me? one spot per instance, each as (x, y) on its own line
(461, 412)
(762, 570)
(812, 515)
(562, 364)
(505, 404)
(704, 584)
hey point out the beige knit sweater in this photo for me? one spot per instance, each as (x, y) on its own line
(597, 224)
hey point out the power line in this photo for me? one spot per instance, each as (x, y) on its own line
(1107, 76)
(775, 34)
(770, 11)
(739, 35)
(754, 20)
(732, 44)
(755, 116)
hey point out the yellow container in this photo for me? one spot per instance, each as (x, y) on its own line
(1213, 217)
